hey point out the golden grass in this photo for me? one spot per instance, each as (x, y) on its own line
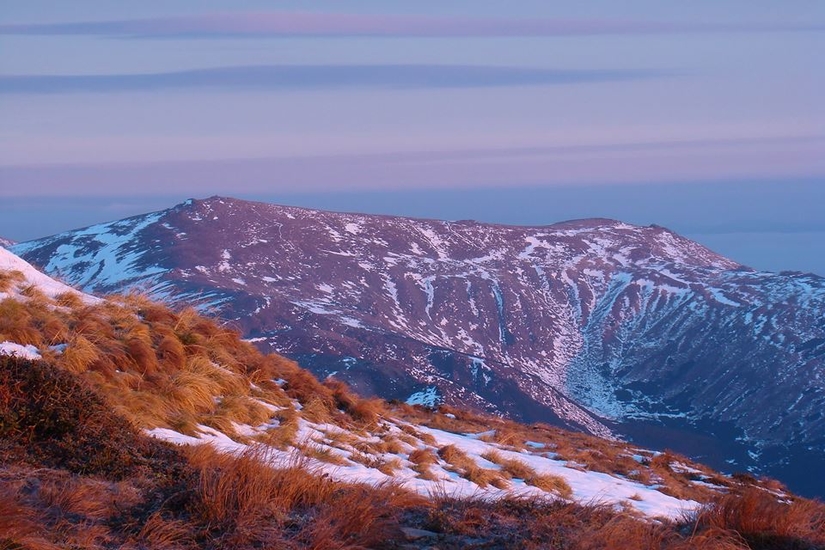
(34, 293)
(765, 521)
(171, 352)
(393, 445)
(283, 435)
(95, 500)
(469, 469)
(180, 370)
(163, 534)
(367, 459)
(320, 452)
(21, 525)
(69, 299)
(147, 409)
(389, 467)
(191, 392)
(243, 410)
(424, 472)
(79, 355)
(552, 484)
(423, 456)
(9, 278)
(508, 437)
(242, 497)
(424, 437)
(514, 468)
(17, 323)
(367, 412)
(317, 411)
(198, 498)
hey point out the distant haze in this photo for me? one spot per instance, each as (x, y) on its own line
(760, 224)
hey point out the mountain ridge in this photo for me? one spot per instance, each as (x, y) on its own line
(632, 321)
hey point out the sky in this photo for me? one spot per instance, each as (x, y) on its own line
(705, 117)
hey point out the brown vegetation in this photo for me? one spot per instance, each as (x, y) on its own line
(762, 521)
(76, 470)
(513, 468)
(469, 469)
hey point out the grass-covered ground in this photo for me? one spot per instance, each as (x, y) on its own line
(78, 470)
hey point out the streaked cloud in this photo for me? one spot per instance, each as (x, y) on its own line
(315, 77)
(290, 24)
(701, 160)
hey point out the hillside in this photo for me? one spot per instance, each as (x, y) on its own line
(74, 473)
(614, 329)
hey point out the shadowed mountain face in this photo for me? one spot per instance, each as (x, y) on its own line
(595, 324)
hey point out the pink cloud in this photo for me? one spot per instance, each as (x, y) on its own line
(325, 24)
(705, 160)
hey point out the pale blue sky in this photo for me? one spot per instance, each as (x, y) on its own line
(468, 108)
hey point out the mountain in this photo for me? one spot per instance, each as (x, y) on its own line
(128, 425)
(606, 327)
(6, 243)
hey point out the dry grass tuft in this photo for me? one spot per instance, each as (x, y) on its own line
(551, 484)
(69, 299)
(508, 437)
(79, 355)
(34, 293)
(367, 412)
(242, 499)
(191, 392)
(21, 526)
(517, 469)
(163, 533)
(424, 456)
(389, 467)
(171, 352)
(469, 469)
(765, 522)
(10, 279)
(317, 411)
(322, 453)
(283, 435)
(17, 324)
(512, 467)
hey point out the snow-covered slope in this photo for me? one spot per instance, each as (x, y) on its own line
(20, 276)
(588, 487)
(612, 328)
(6, 243)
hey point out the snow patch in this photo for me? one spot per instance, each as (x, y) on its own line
(18, 350)
(31, 276)
(428, 397)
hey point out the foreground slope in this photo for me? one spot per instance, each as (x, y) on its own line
(85, 478)
(188, 380)
(595, 324)
(73, 474)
